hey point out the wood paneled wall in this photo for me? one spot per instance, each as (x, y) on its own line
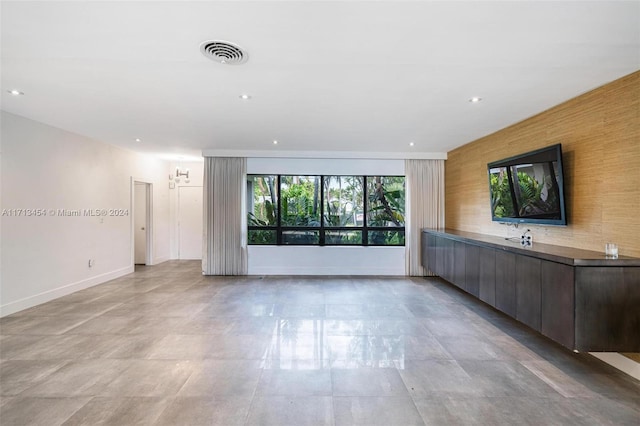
(600, 136)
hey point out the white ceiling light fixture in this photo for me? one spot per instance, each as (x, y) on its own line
(411, 143)
(138, 140)
(245, 97)
(224, 52)
(475, 100)
(275, 142)
(15, 92)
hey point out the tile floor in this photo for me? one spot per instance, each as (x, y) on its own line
(166, 346)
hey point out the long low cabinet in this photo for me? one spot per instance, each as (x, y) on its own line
(579, 298)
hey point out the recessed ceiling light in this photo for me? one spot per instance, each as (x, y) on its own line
(411, 143)
(15, 92)
(475, 100)
(275, 142)
(245, 97)
(138, 140)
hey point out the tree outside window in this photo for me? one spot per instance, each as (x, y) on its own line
(326, 210)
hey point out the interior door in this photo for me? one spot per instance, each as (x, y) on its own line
(140, 223)
(190, 222)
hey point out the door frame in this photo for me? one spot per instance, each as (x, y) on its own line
(148, 219)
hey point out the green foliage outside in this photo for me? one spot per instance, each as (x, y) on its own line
(386, 201)
(300, 201)
(389, 238)
(301, 237)
(386, 208)
(343, 201)
(532, 197)
(264, 209)
(262, 237)
(501, 204)
(528, 192)
(343, 237)
(263, 201)
(343, 208)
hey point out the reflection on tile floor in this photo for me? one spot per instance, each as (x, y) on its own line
(168, 346)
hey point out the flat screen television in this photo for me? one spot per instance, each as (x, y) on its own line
(528, 188)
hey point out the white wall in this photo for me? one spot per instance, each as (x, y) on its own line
(47, 168)
(310, 260)
(333, 166)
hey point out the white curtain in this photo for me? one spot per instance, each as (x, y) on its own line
(425, 208)
(224, 231)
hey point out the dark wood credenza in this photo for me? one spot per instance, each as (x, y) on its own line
(579, 298)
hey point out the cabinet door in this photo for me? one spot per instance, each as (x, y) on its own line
(472, 269)
(558, 303)
(487, 279)
(506, 282)
(429, 252)
(528, 293)
(449, 260)
(459, 250)
(440, 255)
(607, 313)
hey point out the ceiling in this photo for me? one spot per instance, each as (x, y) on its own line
(323, 76)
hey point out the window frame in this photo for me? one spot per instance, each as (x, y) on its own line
(365, 229)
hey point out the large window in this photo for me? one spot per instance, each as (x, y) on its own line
(326, 210)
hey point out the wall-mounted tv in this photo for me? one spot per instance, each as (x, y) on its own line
(528, 188)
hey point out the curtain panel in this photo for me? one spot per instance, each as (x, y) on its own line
(425, 208)
(224, 231)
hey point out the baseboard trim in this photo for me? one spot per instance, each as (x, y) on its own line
(160, 260)
(328, 271)
(37, 299)
(620, 362)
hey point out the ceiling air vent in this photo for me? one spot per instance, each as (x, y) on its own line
(224, 52)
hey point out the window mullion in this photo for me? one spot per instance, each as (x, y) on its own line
(365, 199)
(279, 216)
(322, 236)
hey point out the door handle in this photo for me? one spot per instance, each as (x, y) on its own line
(142, 229)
